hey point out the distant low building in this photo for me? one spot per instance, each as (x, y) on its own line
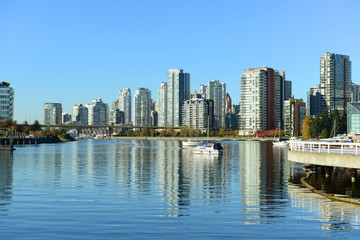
(6, 102)
(52, 114)
(66, 118)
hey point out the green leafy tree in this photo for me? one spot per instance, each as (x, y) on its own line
(324, 133)
(222, 132)
(145, 131)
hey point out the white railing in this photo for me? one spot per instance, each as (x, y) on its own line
(325, 147)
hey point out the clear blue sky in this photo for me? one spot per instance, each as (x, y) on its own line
(74, 51)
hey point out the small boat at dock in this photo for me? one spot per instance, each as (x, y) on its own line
(209, 148)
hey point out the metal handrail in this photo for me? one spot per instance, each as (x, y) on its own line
(325, 147)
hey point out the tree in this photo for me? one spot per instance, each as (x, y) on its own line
(184, 131)
(306, 129)
(35, 126)
(222, 132)
(324, 133)
(145, 131)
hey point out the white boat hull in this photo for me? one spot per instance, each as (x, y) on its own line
(281, 144)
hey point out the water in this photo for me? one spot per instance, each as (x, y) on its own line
(133, 189)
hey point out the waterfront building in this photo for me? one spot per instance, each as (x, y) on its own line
(198, 113)
(66, 118)
(203, 90)
(161, 106)
(178, 91)
(6, 102)
(335, 81)
(353, 118)
(124, 103)
(117, 117)
(261, 100)
(52, 113)
(294, 115)
(80, 114)
(287, 89)
(314, 100)
(98, 113)
(154, 118)
(355, 92)
(216, 91)
(228, 103)
(142, 107)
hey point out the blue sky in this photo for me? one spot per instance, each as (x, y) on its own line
(76, 51)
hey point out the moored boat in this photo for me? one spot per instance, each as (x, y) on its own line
(209, 148)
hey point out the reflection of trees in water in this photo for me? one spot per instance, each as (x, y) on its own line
(6, 178)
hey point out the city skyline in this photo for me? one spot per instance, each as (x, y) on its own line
(74, 52)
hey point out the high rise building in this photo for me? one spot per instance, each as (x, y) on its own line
(178, 91)
(287, 89)
(355, 92)
(142, 107)
(197, 113)
(161, 106)
(98, 113)
(6, 102)
(228, 103)
(261, 100)
(52, 113)
(314, 100)
(216, 91)
(203, 90)
(66, 118)
(117, 117)
(335, 81)
(80, 114)
(124, 102)
(294, 115)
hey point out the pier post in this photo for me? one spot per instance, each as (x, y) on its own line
(353, 175)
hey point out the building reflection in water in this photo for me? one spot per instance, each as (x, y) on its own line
(333, 215)
(6, 180)
(263, 171)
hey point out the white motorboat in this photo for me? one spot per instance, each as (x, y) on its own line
(191, 143)
(209, 148)
(281, 144)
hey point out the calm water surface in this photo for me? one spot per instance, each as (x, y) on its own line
(133, 189)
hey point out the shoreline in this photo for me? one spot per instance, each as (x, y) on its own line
(196, 138)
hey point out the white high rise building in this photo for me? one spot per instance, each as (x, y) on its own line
(124, 102)
(161, 106)
(178, 91)
(52, 113)
(142, 107)
(79, 114)
(6, 102)
(216, 91)
(261, 100)
(198, 113)
(98, 113)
